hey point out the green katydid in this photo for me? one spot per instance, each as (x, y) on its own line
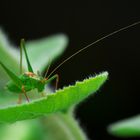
(29, 80)
(26, 81)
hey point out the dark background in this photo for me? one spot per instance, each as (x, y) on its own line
(84, 22)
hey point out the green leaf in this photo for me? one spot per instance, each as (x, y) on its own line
(61, 100)
(126, 128)
(42, 51)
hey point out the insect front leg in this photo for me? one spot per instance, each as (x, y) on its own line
(56, 77)
(57, 80)
(24, 92)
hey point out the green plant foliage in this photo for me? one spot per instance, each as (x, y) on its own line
(61, 100)
(57, 106)
(22, 130)
(126, 128)
(7, 56)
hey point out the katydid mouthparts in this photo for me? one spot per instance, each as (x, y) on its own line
(29, 80)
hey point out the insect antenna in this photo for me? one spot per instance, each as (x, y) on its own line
(93, 43)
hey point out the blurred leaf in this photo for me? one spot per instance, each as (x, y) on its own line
(23, 130)
(59, 101)
(8, 57)
(126, 128)
(44, 50)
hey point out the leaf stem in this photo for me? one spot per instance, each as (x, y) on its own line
(63, 126)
